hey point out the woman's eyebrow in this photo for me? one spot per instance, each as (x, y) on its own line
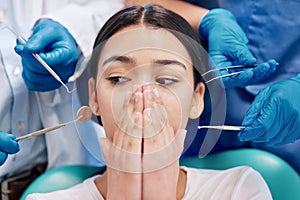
(123, 59)
(169, 62)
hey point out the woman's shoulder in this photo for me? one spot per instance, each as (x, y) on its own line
(233, 172)
(215, 172)
(234, 183)
(86, 190)
(233, 175)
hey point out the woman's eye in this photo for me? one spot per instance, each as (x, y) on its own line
(166, 81)
(117, 79)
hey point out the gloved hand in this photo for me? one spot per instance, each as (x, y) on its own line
(8, 145)
(249, 76)
(227, 46)
(56, 47)
(274, 116)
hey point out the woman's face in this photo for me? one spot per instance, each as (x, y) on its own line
(137, 58)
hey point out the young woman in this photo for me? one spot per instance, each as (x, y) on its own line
(146, 84)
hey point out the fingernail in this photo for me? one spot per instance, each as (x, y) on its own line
(147, 112)
(148, 94)
(147, 86)
(134, 88)
(138, 118)
(128, 96)
(137, 97)
(156, 93)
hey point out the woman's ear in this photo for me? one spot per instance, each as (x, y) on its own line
(198, 101)
(93, 101)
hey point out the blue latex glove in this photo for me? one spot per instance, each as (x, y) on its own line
(227, 46)
(274, 116)
(249, 76)
(8, 145)
(56, 47)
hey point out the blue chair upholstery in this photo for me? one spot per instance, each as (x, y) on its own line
(282, 179)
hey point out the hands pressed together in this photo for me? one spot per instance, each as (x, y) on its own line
(143, 156)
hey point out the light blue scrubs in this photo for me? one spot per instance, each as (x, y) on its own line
(273, 30)
(23, 111)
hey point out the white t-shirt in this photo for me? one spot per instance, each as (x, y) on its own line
(235, 183)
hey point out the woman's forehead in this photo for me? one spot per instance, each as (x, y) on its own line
(138, 38)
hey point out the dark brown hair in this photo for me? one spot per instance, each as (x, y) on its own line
(155, 17)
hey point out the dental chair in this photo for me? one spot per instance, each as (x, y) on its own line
(282, 179)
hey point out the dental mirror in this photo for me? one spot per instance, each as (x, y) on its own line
(83, 114)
